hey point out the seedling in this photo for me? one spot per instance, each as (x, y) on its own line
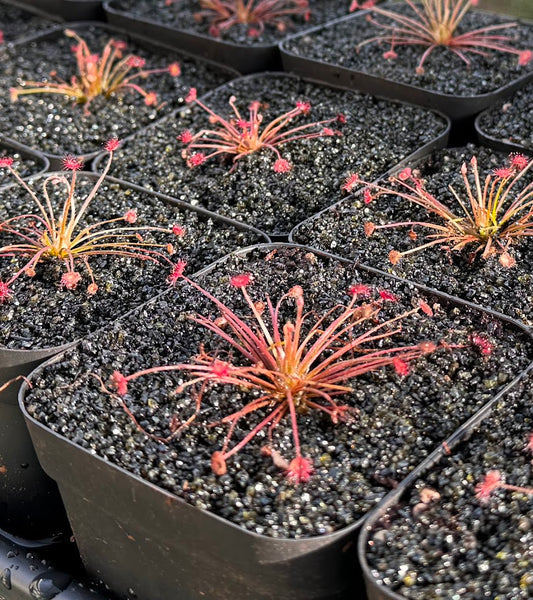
(58, 233)
(98, 75)
(435, 23)
(224, 14)
(489, 216)
(494, 480)
(296, 367)
(239, 137)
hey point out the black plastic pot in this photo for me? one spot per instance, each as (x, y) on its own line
(26, 575)
(136, 536)
(521, 121)
(21, 21)
(69, 10)
(455, 107)
(12, 147)
(374, 590)
(30, 506)
(243, 58)
(341, 228)
(154, 46)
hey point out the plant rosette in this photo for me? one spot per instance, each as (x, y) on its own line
(463, 273)
(370, 134)
(247, 47)
(56, 124)
(59, 314)
(463, 529)
(162, 441)
(17, 22)
(508, 126)
(447, 83)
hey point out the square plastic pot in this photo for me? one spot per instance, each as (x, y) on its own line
(245, 58)
(458, 108)
(136, 536)
(156, 47)
(398, 505)
(29, 501)
(289, 201)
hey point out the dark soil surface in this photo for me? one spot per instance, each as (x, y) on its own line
(42, 314)
(445, 72)
(376, 135)
(16, 23)
(485, 282)
(51, 123)
(511, 122)
(25, 164)
(398, 420)
(458, 547)
(181, 16)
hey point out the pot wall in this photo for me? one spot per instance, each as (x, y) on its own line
(30, 505)
(135, 536)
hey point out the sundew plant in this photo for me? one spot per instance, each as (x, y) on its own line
(58, 232)
(438, 23)
(102, 74)
(297, 366)
(488, 215)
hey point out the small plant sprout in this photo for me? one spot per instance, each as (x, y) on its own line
(489, 216)
(295, 367)
(435, 23)
(98, 75)
(255, 14)
(239, 136)
(494, 480)
(58, 233)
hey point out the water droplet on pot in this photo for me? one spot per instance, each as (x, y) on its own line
(48, 585)
(5, 578)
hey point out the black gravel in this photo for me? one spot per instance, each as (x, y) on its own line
(181, 16)
(511, 122)
(444, 71)
(400, 420)
(486, 282)
(16, 22)
(376, 135)
(458, 547)
(51, 123)
(42, 314)
(25, 164)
